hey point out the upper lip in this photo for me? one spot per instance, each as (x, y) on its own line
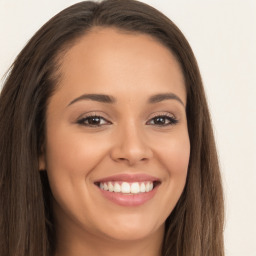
(128, 178)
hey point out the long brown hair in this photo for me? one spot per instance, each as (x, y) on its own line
(195, 226)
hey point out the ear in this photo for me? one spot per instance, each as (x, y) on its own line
(42, 163)
(41, 159)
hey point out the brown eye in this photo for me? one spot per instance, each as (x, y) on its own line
(162, 120)
(92, 121)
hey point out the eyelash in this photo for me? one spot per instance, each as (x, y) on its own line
(83, 120)
(171, 120)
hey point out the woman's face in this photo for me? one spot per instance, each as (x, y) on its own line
(116, 127)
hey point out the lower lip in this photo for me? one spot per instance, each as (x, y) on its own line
(129, 199)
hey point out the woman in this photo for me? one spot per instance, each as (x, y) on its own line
(106, 144)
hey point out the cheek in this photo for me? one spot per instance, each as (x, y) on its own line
(178, 157)
(73, 152)
(70, 158)
(174, 153)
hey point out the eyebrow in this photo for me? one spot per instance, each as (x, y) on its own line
(164, 96)
(95, 97)
(103, 98)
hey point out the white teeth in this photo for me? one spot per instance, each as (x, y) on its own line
(135, 188)
(105, 187)
(117, 187)
(127, 188)
(142, 188)
(110, 187)
(147, 187)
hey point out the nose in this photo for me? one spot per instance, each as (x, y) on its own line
(130, 146)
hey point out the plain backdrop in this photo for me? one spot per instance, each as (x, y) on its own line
(222, 34)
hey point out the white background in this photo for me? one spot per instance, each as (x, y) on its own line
(222, 34)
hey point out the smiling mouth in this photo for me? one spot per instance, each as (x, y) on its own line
(128, 188)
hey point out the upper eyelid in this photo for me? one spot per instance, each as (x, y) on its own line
(161, 113)
(103, 115)
(92, 114)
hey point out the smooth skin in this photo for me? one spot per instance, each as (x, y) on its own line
(129, 135)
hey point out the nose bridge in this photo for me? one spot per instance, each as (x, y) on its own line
(131, 144)
(132, 137)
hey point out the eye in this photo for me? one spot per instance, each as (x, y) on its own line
(93, 121)
(162, 120)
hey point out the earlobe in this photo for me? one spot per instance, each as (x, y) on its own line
(42, 164)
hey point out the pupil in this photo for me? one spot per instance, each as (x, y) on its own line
(94, 120)
(159, 120)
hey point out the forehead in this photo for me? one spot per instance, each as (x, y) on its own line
(107, 59)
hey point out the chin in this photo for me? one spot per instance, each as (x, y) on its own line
(132, 228)
(130, 234)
